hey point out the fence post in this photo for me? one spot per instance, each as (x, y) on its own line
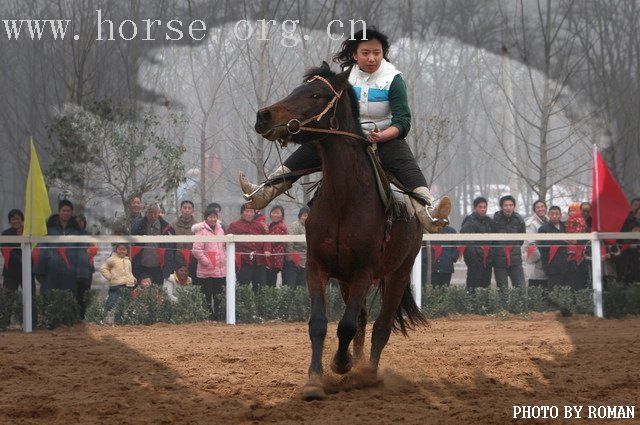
(27, 296)
(416, 279)
(596, 274)
(231, 283)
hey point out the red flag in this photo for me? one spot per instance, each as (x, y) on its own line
(553, 250)
(186, 254)
(135, 250)
(437, 251)
(92, 251)
(485, 254)
(610, 207)
(507, 252)
(35, 255)
(160, 253)
(6, 253)
(62, 251)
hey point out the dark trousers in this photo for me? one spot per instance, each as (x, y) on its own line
(559, 279)
(12, 284)
(543, 283)
(515, 273)
(395, 156)
(293, 275)
(212, 288)
(272, 276)
(478, 276)
(84, 286)
(580, 274)
(155, 273)
(252, 273)
(441, 279)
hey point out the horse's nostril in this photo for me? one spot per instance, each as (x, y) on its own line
(263, 115)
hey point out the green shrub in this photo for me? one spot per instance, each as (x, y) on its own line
(8, 301)
(246, 311)
(143, 307)
(96, 311)
(59, 308)
(561, 298)
(190, 306)
(487, 301)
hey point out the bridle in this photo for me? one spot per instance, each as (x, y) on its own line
(295, 126)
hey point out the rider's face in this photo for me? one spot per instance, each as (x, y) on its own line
(369, 55)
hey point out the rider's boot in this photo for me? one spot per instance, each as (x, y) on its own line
(437, 216)
(265, 194)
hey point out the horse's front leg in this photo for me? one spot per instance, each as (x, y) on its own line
(316, 283)
(348, 325)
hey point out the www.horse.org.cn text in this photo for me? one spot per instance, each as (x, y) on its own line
(290, 35)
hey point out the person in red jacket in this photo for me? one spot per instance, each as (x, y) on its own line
(275, 262)
(250, 256)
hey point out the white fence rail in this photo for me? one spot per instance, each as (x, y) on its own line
(27, 243)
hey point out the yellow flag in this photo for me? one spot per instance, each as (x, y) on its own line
(37, 208)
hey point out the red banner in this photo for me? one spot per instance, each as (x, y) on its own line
(62, 251)
(6, 253)
(609, 206)
(135, 250)
(507, 252)
(553, 250)
(35, 256)
(485, 254)
(160, 253)
(437, 251)
(186, 254)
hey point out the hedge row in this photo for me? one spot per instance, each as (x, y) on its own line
(292, 304)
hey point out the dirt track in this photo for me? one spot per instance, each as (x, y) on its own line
(460, 370)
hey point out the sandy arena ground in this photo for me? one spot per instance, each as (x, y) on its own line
(457, 371)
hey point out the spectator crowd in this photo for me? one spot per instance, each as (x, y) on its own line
(169, 265)
(204, 264)
(544, 263)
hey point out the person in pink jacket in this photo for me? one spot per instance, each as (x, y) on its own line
(212, 262)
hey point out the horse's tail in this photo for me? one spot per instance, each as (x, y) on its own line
(408, 315)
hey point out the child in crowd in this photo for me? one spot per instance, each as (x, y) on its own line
(177, 279)
(117, 271)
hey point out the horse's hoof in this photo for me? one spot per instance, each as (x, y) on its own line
(339, 367)
(313, 389)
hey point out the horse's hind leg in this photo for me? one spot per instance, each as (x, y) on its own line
(316, 283)
(395, 285)
(348, 325)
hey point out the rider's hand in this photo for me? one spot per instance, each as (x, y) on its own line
(375, 136)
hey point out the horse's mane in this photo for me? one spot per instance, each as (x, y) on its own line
(330, 76)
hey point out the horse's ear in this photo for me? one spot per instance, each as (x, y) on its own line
(325, 66)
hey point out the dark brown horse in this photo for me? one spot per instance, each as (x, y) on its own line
(345, 230)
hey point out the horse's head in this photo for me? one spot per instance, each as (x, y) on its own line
(323, 102)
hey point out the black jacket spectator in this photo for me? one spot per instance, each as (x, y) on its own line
(58, 263)
(14, 271)
(139, 228)
(553, 253)
(512, 224)
(448, 253)
(474, 254)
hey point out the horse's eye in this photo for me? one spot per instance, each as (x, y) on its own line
(316, 96)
